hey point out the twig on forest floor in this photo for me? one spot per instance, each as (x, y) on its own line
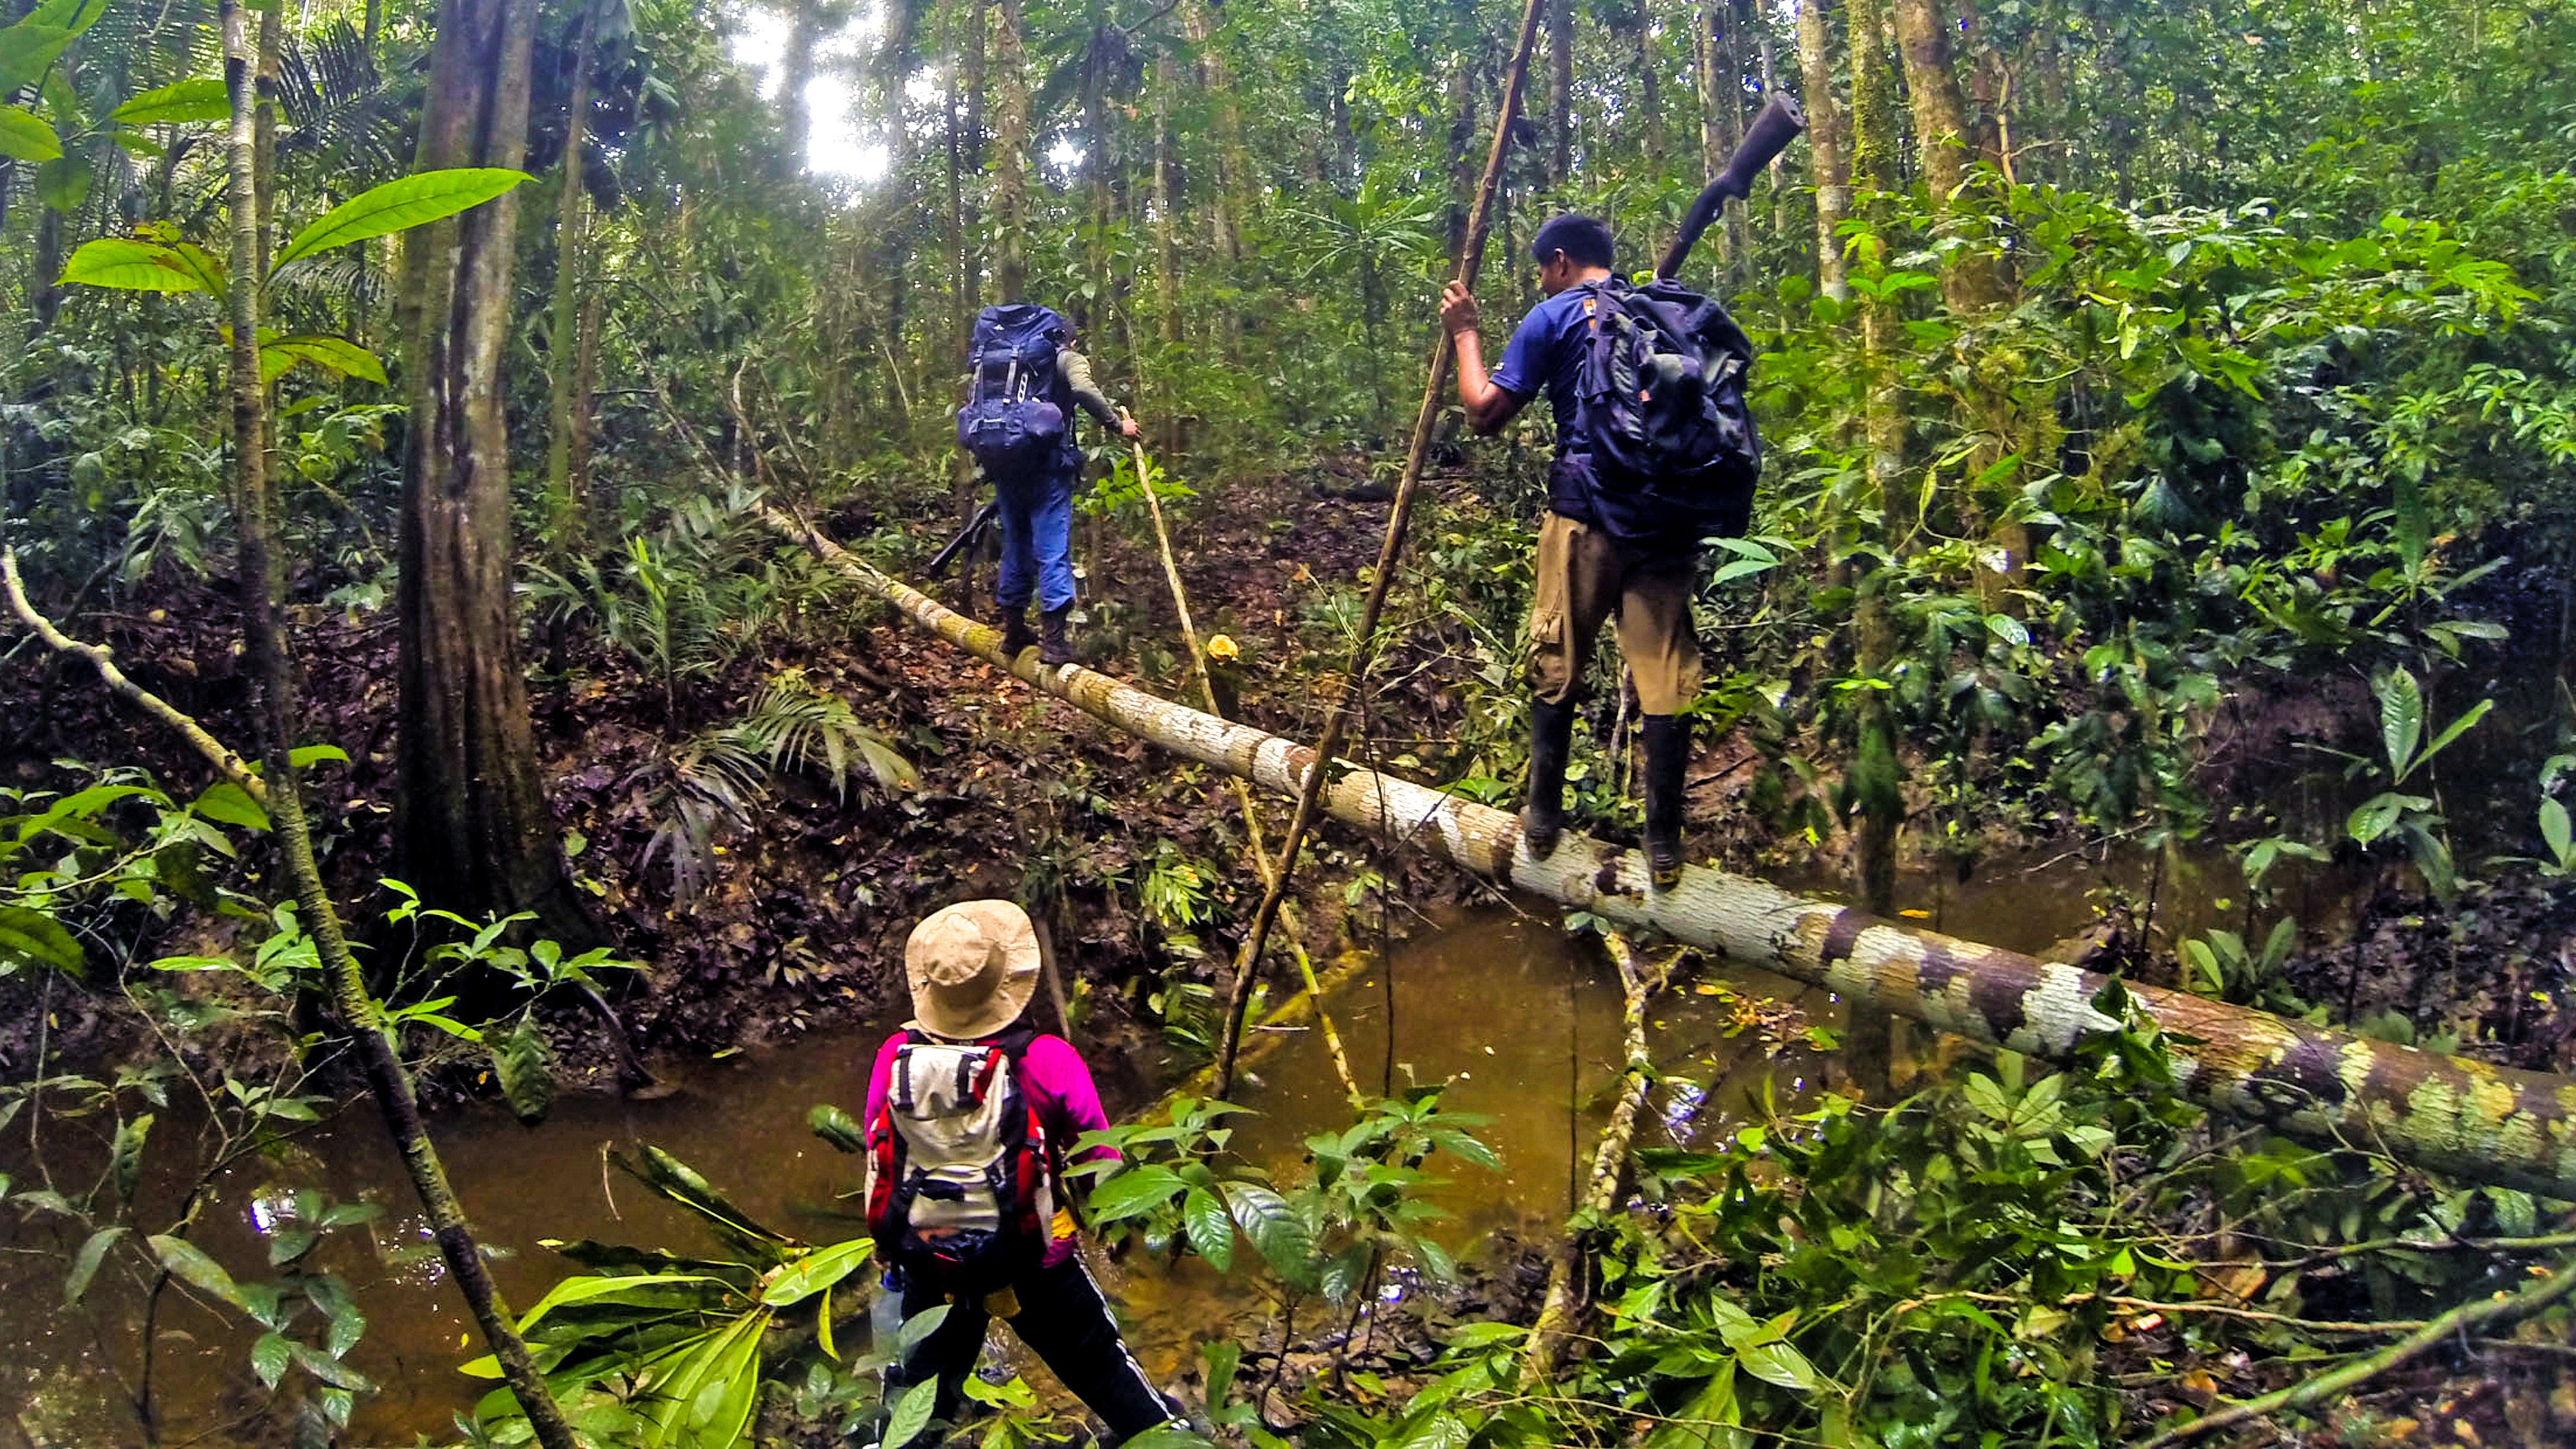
(2484, 1313)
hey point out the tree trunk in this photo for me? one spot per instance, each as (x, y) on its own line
(795, 73)
(1091, 315)
(1650, 90)
(1560, 94)
(1167, 238)
(1010, 165)
(968, 160)
(1718, 115)
(1827, 156)
(359, 1019)
(599, 510)
(2446, 1114)
(474, 832)
(564, 504)
(1941, 135)
(1870, 1046)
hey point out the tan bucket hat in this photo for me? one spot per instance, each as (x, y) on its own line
(972, 968)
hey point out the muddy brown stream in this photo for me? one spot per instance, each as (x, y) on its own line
(1520, 1019)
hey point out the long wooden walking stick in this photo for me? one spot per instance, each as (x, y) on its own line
(1338, 710)
(1242, 788)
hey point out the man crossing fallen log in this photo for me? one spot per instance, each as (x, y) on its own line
(1025, 379)
(1655, 454)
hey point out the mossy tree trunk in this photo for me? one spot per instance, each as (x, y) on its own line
(473, 829)
(1829, 162)
(261, 574)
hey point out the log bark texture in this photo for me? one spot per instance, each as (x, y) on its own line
(2448, 1114)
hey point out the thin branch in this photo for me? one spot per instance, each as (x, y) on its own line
(231, 766)
(2483, 1314)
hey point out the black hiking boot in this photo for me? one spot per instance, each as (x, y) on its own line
(1667, 762)
(1053, 647)
(1543, 816)
(1016, 633)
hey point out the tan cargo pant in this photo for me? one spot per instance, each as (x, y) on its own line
(1581, 582)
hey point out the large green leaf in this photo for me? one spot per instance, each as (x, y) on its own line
(526, 1069)
(401, 205)
(816, 1271)
(590, 1290)
(29, 935)
(2401, 720)
(28, 50)
(134, 266)
(63, 183)
(189, 1264)
(73, 16)
(24, 138)
(85, 1262)
(125, 1161)
(1211, 1231)
(1277, 1233)
(229, 804)
(338, 354)
(1133, 1191)
(911, 1415)
(189, 100)
(702, 1396)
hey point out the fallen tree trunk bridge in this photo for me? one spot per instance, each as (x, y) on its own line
(2450, 1114)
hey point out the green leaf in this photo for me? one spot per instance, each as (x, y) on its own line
(63, 183)
(911, 1414)
(2401, 720)
(1277, 1233)
(270, 1358)
(816, 1271)
(189, 100)
(526, 1070)
(836, 1127)
(2375, 816)
(226, 803)
(72, 16)
(30, 935)
(189, 1264)
(590, 1290)
(2457, 728)
(85, 1262)
(399, 206)
(28, 49)
(24, 138)
(1778, 1363)
(1168, 1436)
(141, 266)
(126, 1159)
(1211, 1230)
(336, 354)
(2555, 828)
(1139, 1189)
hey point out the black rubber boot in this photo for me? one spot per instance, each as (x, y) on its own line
(1053, 647)
(1543, 816)
(1667, 760)
(1016, 633)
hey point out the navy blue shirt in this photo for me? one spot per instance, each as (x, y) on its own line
(1546, 350)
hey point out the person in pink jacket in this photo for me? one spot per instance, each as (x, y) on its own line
(971, 1120)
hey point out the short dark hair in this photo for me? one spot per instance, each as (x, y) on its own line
(1584, 240)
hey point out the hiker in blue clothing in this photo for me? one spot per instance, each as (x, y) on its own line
(1023, 380)
(1611, 544)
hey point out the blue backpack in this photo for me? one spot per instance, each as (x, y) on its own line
(1674, 455)
(1014, 420)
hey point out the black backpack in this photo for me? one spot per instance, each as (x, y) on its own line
(1674, 454)
(1013, 420)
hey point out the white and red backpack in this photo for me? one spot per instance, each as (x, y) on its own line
(960, 1186)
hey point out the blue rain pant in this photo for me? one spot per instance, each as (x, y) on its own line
(1037, 537)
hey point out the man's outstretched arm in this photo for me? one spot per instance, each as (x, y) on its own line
(1488, 407)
